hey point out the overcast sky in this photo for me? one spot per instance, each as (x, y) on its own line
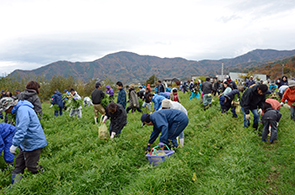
(35, 33)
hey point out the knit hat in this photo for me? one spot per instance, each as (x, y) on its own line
(166, 103)
(6, 103)
(291, 83)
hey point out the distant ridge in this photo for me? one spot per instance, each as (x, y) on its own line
(131, 67)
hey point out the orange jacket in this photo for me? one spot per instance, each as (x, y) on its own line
(290, 96)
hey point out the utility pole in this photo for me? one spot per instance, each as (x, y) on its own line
(222, 71)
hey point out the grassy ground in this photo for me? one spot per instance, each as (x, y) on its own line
(219, 157)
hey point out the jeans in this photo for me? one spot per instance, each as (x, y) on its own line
(255, 120)
(274, 130)
(148, 105)
(56, 112)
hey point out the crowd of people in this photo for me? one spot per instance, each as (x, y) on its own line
(168, 117)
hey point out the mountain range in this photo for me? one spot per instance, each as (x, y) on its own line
(131, 67)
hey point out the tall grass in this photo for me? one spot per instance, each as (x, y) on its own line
(220, 156)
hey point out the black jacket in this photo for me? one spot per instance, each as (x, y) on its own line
(161, 88)
(271, 114)
(97, 95)
(206, 87)
(251, 99)
(118, 118)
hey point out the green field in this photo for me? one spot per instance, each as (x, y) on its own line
(220, 156)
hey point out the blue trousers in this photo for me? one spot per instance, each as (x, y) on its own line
(56, 112)
(255, 120)
(197, 95)
(175, 130)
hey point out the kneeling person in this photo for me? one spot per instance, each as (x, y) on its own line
(169, 122)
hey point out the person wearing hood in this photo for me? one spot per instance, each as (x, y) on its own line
(97, 95)
(226, 102)
(133, 100)
(174, 96)
(252, 98)
(169, 122)
(57, 100)
(110, 92)
(29, 137)
(7, 132)
(289, 95)
(30, 94)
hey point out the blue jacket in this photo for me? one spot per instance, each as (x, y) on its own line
(157, 99)
(164, 95)
(57, 99)
(7, 132)
(162, 121)
(29, 133)
(122, 98)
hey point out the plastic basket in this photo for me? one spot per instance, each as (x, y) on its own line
(157, 159)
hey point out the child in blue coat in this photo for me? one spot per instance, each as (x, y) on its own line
(7, 132)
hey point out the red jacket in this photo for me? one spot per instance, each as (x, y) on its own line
(290, 96)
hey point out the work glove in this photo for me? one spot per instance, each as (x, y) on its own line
(260, 111)
(148, 148)
(161, 144)
(277, 123)
(105, 119)
(247, 117)
(282, 103)
(13, 149)
(113, 135)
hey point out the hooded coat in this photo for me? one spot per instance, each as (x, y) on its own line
(29, 133)
(271, 114)
(31, 96)
(57, 99)
(251, 99)
(110, 91)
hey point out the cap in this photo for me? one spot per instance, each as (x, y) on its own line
(65, 90)
(6, 103)
(221, 99)
(2, 91)
(166, 103)
(145, 118)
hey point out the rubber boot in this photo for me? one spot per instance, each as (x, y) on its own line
(95, 120)
(16, 178)
(181, 141)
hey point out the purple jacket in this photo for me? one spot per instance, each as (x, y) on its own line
(110, 91)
